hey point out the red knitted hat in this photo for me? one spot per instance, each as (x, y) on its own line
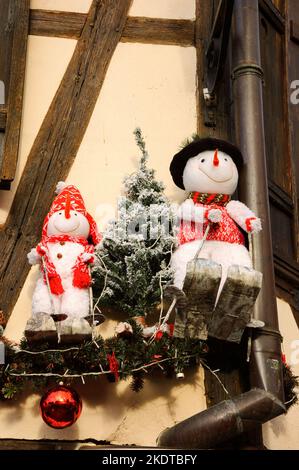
(69, 198)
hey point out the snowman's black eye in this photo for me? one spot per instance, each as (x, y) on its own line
(59, 213)
(75, 214)
(202, 160)
(225, 159)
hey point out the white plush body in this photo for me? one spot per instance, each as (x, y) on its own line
(212, 173)
(74, 302)
(223, 253)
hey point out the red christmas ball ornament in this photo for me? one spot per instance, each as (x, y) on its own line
(60, 407)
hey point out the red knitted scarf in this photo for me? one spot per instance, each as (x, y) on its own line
(207, 199)
(81, 276)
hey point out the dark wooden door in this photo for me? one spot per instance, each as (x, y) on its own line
(280, 61)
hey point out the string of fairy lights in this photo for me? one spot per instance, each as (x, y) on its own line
(65, 375)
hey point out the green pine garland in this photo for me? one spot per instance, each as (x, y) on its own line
(291, 384)
(134, 355)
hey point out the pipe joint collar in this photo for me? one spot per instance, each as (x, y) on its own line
(247, 69)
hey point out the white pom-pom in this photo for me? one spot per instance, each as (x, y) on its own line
(33, 257)
(60, 187)
(215, 215)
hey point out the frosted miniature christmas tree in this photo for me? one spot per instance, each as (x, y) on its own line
(132, 265)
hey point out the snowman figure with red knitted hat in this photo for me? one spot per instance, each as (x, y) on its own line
(213, 230)
(61, 295)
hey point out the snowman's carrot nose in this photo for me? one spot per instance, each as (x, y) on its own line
(67, 207)
(216, 159)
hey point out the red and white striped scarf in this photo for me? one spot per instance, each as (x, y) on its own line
(207, 199)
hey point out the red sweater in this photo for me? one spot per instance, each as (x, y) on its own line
(225, 231)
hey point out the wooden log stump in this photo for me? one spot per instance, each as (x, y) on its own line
(201, 286)
(235, 305)
(41, 329)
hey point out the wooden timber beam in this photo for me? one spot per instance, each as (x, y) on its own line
(3, 117)
(20, 15)
(159, 31)
(137, 29)
(205, 11)
(57, 142)
(59, 24)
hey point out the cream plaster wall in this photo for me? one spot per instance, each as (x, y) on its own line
(153, 8)
(79, 6)
(283, 432)
(149, 86)
(112, 412)
(183, 9)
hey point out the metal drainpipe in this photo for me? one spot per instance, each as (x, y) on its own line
(266, 366)
(265, 400)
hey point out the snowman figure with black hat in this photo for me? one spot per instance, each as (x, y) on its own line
(212, 234)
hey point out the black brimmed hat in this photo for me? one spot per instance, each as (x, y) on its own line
(179, 161)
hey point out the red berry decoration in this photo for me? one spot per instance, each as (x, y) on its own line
(60, 407)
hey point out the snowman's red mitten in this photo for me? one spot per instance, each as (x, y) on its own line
(81, 273)
(214, 215)
(244, 217)
(41, 250)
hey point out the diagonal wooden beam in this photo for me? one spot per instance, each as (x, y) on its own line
(3, 118)
(57, 142)
(137, 29)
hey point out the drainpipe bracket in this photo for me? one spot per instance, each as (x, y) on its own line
(210, 98)
(209, 108)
